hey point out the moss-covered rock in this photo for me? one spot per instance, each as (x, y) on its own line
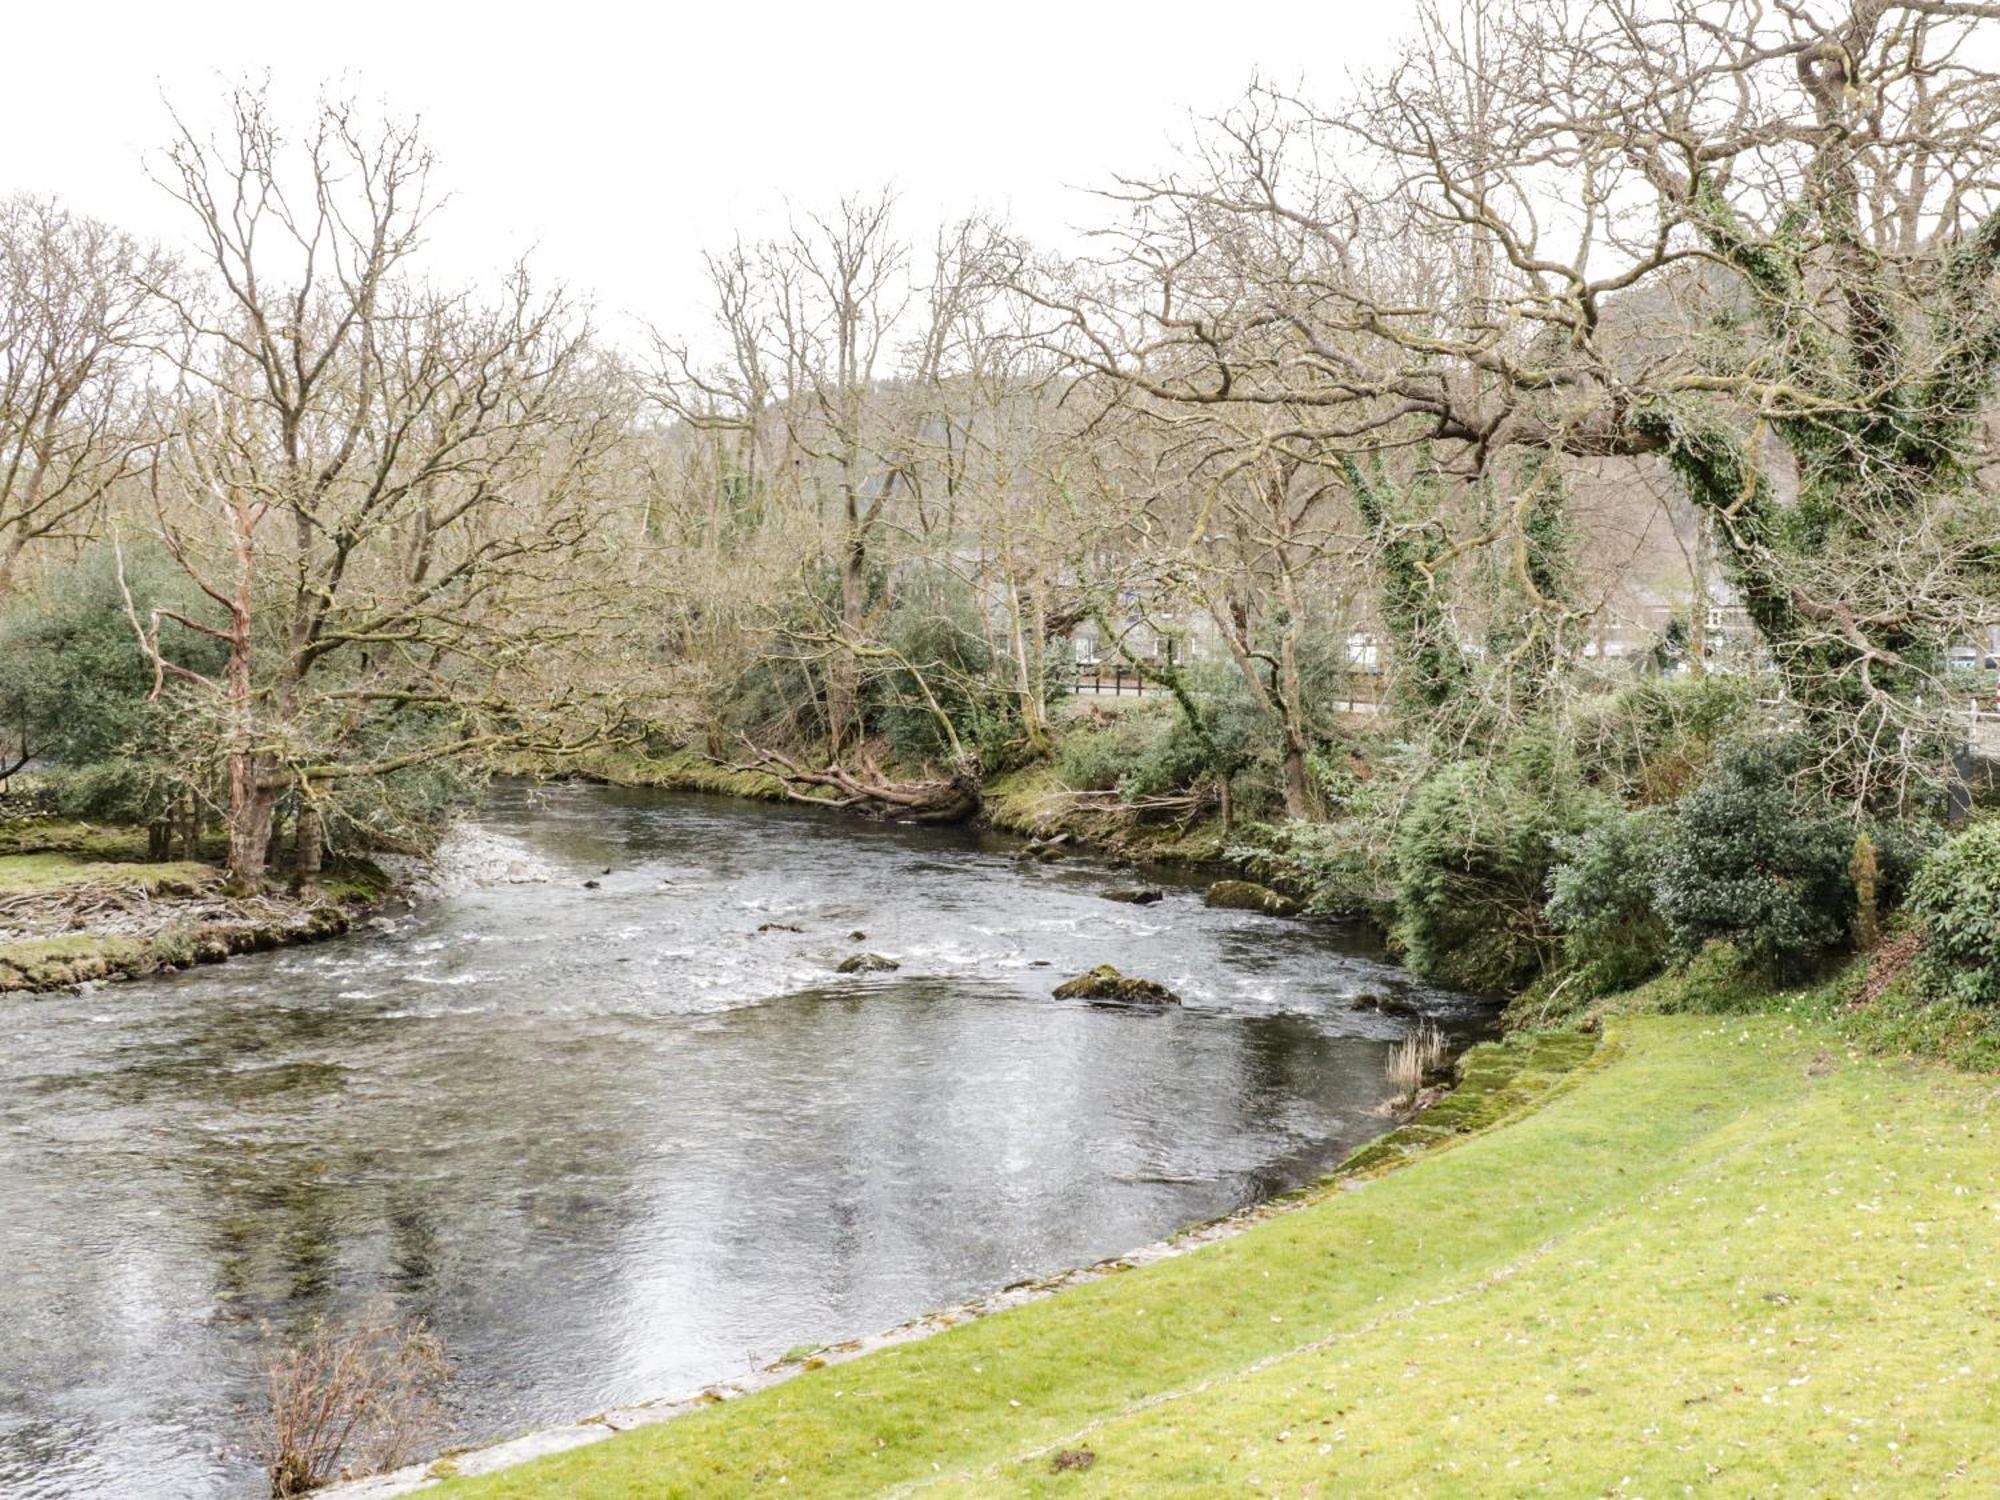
(1134, 895)
(1247, 895)
(1105, 985)
(326, 921)
(356, 882)
(866, 963)
(1388, 1005)
(56, 963)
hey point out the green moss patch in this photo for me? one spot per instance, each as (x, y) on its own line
(53, 872)
(1496, 1081)
(51, 963)
(1034, 801)
(70, 836)
(682, 771)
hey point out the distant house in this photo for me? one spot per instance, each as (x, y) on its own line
(1639, 621)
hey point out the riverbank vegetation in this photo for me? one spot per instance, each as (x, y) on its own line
(1574, 557)
(82, 902)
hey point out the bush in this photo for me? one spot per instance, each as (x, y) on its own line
(359, 1401)
(1338, 868)
(1900, 847)
(1345, 866)
(778, 694)
(409, 809)
(1151, 750)
(1715, 981)
(1751, 859)
(1100, 758)
(135, 790)
(1648, 741)
(1473, 857)
(1956, 901)
(1601, 901)
(75, 687)
(935, 627)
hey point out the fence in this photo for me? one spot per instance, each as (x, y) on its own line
(1114, 682)
(1361, 693)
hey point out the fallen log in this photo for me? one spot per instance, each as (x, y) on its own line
(950, 798)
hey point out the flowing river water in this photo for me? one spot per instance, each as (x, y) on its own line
(613, 1143)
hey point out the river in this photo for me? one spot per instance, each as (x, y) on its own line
(617, 1142)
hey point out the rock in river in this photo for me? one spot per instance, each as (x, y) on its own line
(1105, 983)
(866, 963)
(1247, 895)
(1135, 895)
(1388, 1005)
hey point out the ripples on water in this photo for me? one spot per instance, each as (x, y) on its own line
(615, 1143)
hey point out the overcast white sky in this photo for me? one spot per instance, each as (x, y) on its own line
(619, 140)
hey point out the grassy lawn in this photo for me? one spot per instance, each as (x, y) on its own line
(59, 871)
(1733, 1256)
(37, 835)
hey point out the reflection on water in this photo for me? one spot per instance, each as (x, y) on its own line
(617, 1142)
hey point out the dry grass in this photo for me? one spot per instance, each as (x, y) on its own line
(1888, 963)
(352, 1402)
(1414, 1059)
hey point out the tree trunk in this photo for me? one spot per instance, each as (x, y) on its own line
(10, 553)
(309, 842)
(1698, 611)
(251, 805)
(1298, 786)
(1300, 801)
(953, 798)
(841, 685)
(274, 846)
(1027, 674)
(251, 799)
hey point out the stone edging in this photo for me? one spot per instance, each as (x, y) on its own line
(512, 1451)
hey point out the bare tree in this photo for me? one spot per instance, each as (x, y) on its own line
(855, 414)
(1270, 532)
(840, 287)
(1755, 243)
(379, 486)
(74, 313)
